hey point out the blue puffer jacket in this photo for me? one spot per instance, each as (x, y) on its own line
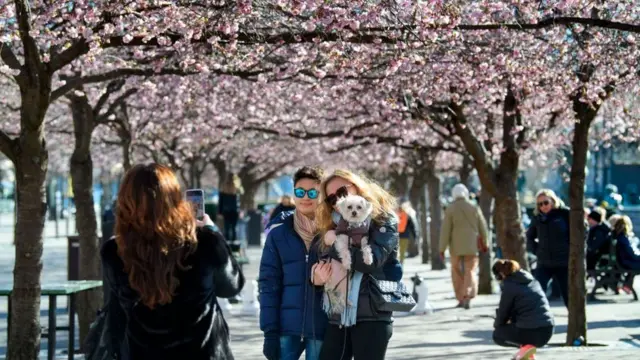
(289, 303)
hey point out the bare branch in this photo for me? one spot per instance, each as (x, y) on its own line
(114, 104)
(7, 146)
(32, 59)
(9, 57)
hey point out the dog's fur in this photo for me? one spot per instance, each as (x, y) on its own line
(420, 295)
(355, 212)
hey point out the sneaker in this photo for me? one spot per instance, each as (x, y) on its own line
(526, 352)
(627, 289)
(467, 304)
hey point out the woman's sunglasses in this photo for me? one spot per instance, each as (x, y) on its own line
(300, 193)
(544, 203)
(342, 191)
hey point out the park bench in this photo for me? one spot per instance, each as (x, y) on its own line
(609, 273)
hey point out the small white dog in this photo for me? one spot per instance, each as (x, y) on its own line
(354, 225)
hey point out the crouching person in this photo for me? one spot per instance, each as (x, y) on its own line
(523, 318)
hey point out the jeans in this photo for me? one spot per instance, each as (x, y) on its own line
(367, 340)
(230, 223)
(513, 336)
(291, 347)
(463, 276)
(560, 276)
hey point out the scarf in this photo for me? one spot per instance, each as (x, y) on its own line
(304, 227)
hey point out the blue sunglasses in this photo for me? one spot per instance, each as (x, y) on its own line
(311, 193)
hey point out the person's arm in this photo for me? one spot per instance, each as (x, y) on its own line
(482, 228)
(383, 239)
(445, 232)
(270, 287)
(532, 234)
(625, 248)
(227, 276)
(503, 314)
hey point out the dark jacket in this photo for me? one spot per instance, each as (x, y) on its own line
(552, 232)
(192, 325)
(279, 210)
(289, 303)
(599, 240)
(383, 240)
(228, 203)
(628, 252)
(523, 303)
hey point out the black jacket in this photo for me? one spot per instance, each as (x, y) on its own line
(383, 240)
(523, 303)
(599, 240)
(280, 209)
(552, 232)
(192, 325)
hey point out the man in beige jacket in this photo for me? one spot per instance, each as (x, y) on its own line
(464, 233)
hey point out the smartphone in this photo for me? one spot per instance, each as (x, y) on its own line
(196, 198)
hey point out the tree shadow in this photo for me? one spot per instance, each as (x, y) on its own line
(606, 324)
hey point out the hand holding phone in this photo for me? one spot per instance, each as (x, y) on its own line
(196, 198)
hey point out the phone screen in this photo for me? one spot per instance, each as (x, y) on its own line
(196, 198)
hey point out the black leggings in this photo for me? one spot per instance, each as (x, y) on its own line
(367, 340)
(513, 336)
(230, 222)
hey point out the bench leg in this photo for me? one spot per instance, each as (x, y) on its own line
(51, 339)
(72, 325)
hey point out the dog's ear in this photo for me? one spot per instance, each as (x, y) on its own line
(368, 206)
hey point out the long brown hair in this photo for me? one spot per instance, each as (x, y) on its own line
(504, 268)
(155, 232)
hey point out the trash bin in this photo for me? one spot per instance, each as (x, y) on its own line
(254, 227)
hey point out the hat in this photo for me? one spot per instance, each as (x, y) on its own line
(595, 216)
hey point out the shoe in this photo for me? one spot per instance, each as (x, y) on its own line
(626, 289)
(526, 352)
(467, 304)
(460, 305)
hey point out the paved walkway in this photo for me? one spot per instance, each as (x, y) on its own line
(447, 334)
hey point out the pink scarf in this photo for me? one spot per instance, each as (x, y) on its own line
(305, 227)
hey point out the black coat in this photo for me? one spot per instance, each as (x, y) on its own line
(523, 303)
(599, 240)
(552, 232)
(192, 325)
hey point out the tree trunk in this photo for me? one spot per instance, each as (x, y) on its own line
(30, 157)
(509, 231)
(577, 326)
(248, 197)
(465, 171)
(126, 154)
(435, 211)
(81, 167)
(484, 284)
(424, 224)
(399, 183)
(415, 193)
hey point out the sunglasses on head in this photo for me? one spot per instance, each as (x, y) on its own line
(300, 193)
(544, 203)
(342, 191)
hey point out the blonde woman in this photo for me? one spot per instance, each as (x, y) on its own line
(626, 244)
(366, 332)
(548, 238)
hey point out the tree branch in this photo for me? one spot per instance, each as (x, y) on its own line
(7, 146)
(31, 53)
(114, 104)
(111, 88)
(9, 57)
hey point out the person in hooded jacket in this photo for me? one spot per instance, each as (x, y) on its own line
(291, 314)
(523, 318)
(548, 238)
(164, 270)
(598, 240)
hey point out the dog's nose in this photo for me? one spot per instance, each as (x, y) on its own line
(354, 213)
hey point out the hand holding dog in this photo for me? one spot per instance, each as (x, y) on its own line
(320, 273)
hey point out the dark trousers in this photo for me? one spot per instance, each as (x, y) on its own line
(230, 222)
(367, 340)
(512, 336)
(560, 276)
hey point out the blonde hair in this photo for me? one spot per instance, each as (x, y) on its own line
(622, 225)
(384, 204)
(551, 195)
(613, 219)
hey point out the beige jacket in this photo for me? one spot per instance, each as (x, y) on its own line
(463, 223)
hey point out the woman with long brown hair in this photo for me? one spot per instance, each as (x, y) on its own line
(165, 270)
(366, 336)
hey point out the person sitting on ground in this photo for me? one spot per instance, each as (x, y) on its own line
(598, 241)
(523, 318)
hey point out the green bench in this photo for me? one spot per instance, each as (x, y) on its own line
(64, 288)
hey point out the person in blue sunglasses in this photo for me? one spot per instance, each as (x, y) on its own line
(291, 314)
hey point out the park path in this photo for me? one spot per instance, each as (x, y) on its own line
(447, 334)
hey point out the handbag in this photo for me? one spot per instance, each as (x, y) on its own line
(99, 344)
(390, 295)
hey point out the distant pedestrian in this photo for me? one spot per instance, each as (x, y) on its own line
(598, 240)
(464, 233)
(228, 206)
(523, 318)
(548, 238)
(286, 204)
(627, 244)
(407, 227)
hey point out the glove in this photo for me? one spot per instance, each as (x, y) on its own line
(271, 347)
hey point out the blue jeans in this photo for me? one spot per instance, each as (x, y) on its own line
(291, 347)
